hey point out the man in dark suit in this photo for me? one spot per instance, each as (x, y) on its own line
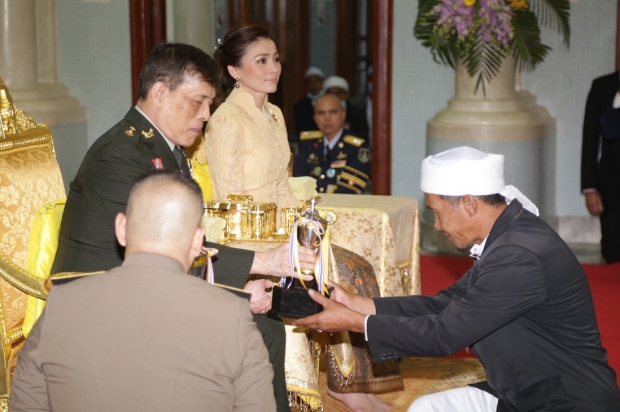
(524, 307)
(337, 159)
(600, 175)
(146, 336)
(304, 108)
(176, 86)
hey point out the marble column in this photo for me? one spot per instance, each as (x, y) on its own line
(28, 62)
(507, 120)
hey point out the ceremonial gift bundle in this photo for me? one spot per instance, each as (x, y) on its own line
(291, 300)
(247, 220)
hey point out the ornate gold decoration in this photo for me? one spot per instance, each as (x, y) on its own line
(21, 279)
(148, 135)
(129, 132)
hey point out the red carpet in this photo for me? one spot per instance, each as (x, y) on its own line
(439, 272)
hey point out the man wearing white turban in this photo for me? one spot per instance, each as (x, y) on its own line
(524, 307)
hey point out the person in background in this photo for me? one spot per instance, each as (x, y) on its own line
(304, 108)
(333, 155)
(600, 161)
(356, 118)
(524, 307)
(146, 336)
(363, 103)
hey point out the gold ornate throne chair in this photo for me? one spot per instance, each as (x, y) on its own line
(29, 179)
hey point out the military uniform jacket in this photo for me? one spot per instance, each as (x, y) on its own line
(100, 191)
(143, 337)
(526, 310)
(343, 169)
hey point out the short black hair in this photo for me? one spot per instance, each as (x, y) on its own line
(171, 62)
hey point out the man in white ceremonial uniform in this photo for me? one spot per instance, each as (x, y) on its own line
(524, 307)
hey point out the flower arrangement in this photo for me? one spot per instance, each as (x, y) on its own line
(481, 33)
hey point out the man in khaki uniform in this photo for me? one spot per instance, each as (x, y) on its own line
(146, 336)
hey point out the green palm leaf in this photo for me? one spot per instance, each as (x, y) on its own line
(526, 46)
(484, 60)
(553, 14)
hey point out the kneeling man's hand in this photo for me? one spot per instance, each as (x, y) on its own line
(335, 317)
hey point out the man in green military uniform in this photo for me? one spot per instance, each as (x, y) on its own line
(177, 84)
(338, 160)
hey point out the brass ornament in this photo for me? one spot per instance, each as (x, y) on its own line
(148, 135)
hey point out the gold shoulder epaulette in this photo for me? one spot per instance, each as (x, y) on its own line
(312, 134)
(352, 140)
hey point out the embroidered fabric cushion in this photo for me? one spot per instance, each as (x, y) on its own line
(203, 178)
(41, 252)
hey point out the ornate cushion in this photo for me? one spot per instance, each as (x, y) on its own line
(29, 177)
(203, 178)
(41, 252)
(200, 167)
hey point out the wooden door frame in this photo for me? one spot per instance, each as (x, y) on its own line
(147, 20)
(381, 43)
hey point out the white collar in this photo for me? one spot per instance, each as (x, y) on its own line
(332, 143)
(616, 103)
(170, 144)
(476, 250)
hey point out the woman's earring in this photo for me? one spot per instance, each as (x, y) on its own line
(237, 82)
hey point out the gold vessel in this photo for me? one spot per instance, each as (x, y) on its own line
(247, 220)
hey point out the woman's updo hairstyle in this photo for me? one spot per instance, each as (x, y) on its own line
(231, 49)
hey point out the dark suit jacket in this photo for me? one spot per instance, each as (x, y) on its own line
(143, 337)
(304, 116)
(356, 120)
(526, 310)
(602, 175)
(100, 191)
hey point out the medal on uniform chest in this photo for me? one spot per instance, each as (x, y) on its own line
(330, 173)
(317, 171)
(157, 162)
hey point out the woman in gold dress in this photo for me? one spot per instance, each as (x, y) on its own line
(248, 153)
(246, 136)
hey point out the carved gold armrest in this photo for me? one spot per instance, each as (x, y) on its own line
(21, 279)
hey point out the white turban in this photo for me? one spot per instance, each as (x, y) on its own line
(314, 71)
(336, 81)
(468, 171)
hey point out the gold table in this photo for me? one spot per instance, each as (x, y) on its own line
(385, 231)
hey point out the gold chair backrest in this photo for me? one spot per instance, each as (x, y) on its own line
(29, 177)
